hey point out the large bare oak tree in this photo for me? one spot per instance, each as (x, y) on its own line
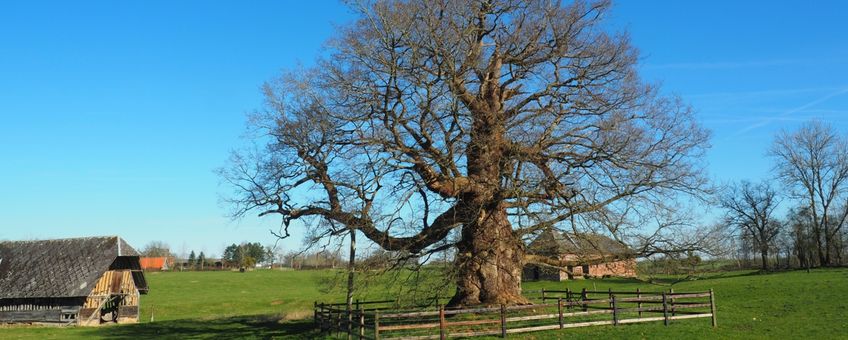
(466, 125)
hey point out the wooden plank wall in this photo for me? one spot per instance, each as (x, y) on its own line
(113, 282)
(45, 315)
(32, 306)
(51, 309)
(7, 305)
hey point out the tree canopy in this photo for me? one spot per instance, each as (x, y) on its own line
(246, 254)
(468, 125)
(156, 249)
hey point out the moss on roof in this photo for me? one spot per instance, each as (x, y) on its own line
(552, 242)
(61, 268)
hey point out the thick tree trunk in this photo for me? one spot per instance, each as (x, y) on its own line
(764, 257)
(819, 246)
(489, 255)
(351, 270)
(489, 262)
(828, 246)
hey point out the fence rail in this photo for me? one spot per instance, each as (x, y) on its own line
(384, 320)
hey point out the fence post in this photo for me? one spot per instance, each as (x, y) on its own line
(315, 312)
(671, 300)
(639, 301)
(339, 321)
(361, 321)
(568, 296)
(584, 296)
(349, 319)
(609, 296)
(331, 320)
(712, 307)
(614, 311)
(321, 312)
(442, 331)
(503, 321)
(376, 325)
(665, 309)
(559, 309)
(543, 295)
(328, 320)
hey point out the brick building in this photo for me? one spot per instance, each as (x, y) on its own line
(586, 255)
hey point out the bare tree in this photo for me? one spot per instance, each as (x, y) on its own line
(750, 208)
(156, 249)
(813, 162)
(799, 222)
(476, 122)
(784, 245)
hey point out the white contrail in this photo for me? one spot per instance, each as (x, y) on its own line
(792, 111)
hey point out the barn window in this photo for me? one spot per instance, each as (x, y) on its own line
(69, 316)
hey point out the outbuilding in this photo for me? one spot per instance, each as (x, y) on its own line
(81, 281)
(584, 255)
(159, 263)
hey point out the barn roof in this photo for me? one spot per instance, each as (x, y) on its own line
(553, 243)
(62, 268)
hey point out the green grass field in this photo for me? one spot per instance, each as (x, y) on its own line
(278, 304)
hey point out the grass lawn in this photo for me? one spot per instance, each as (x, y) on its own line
(273, 304)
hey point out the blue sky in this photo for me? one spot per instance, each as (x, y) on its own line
(114, 114)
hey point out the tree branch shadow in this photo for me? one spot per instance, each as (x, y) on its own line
(672, 279)
(241, 327)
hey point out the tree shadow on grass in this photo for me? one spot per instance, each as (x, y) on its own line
(672, 280)
(242, 327)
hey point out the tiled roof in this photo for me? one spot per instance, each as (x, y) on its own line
(155, 263)
(58, 268)
(553, 243)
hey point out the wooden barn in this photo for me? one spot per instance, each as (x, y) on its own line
(589, 255)
(80, 281)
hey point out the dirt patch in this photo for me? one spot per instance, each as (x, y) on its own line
(295, 315)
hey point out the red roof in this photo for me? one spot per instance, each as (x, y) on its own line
(156, 263)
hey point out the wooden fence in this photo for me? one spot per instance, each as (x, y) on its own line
(557, 309)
